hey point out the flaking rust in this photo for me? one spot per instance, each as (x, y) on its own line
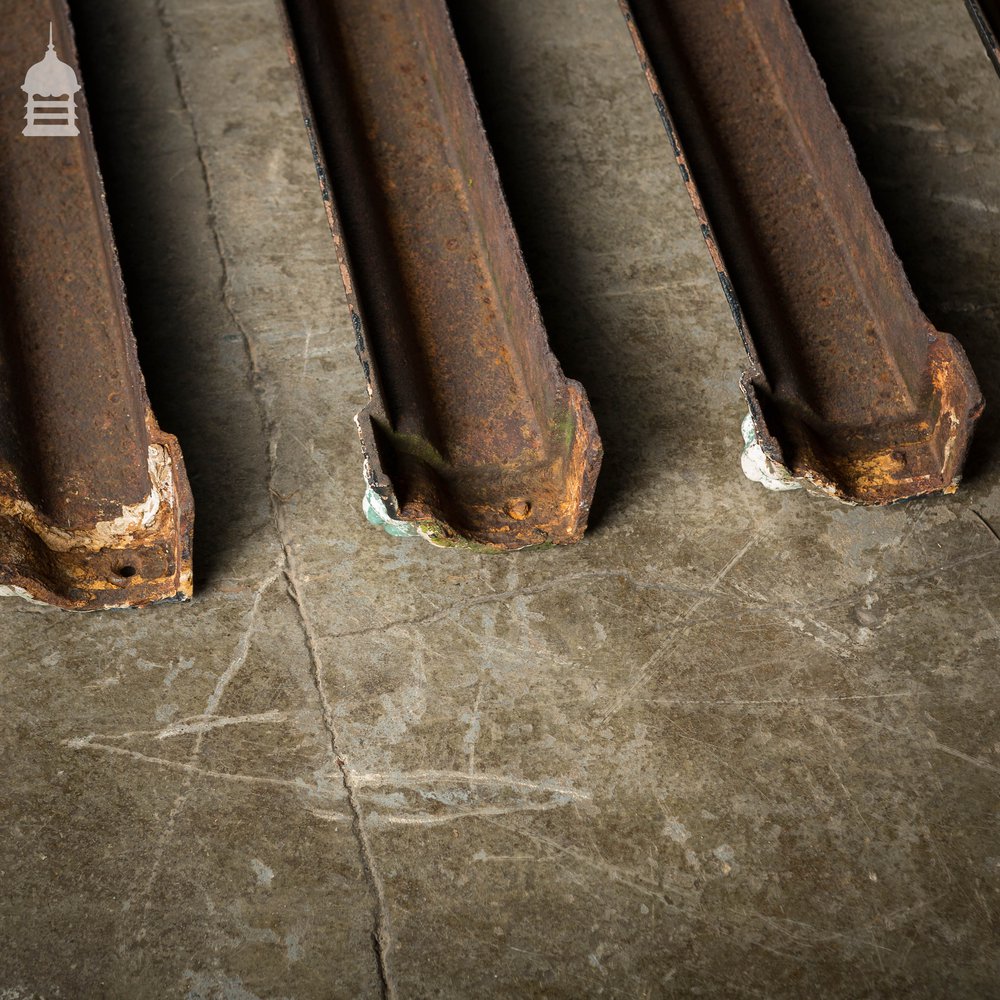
(472, 435)
(852, 393)
(986, 16)
(95, 510)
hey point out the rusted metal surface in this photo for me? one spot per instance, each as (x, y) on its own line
(986, 15)
(850, 388)
(95, 510)
(472, 434)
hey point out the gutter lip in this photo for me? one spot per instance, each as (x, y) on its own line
(986, 17)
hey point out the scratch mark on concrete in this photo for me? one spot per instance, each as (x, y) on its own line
(310, 453)
(451, 816)
(416, 779)
(986, 524)
(305, 351)
(483, 856)
(702, 596)
(214, 699)
(990, 617)
(931, 742)
(975, 761)
(331, 816)
(929, 574)
(677, 632)
(783, 702)
(634, 881)
(496, 597)
(966, 201)
(86, 743)
(471, 737)
(183, 727)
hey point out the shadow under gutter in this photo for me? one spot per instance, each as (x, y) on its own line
(95, 509)
(472, 435)
(851, 391)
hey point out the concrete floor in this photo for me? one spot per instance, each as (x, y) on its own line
(735, 744)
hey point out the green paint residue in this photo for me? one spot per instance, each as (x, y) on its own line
(377, 514)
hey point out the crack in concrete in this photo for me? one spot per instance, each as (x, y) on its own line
(380, 934)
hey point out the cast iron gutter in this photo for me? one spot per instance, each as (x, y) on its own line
(95, 510)
(986, 15)
(851, 391)
(472, 434)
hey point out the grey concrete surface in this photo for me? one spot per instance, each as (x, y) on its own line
(735, 744)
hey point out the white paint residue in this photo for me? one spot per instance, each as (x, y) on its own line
(757, 467)
(9, 590)
(104, 534)
(675, 830)
(265, 875)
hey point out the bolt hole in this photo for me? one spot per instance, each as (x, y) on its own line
(126, 571)
(519, 509)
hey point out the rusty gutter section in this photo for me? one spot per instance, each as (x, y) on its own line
(472, 435)
(851, 391)
(986, 16)
(95, 510)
